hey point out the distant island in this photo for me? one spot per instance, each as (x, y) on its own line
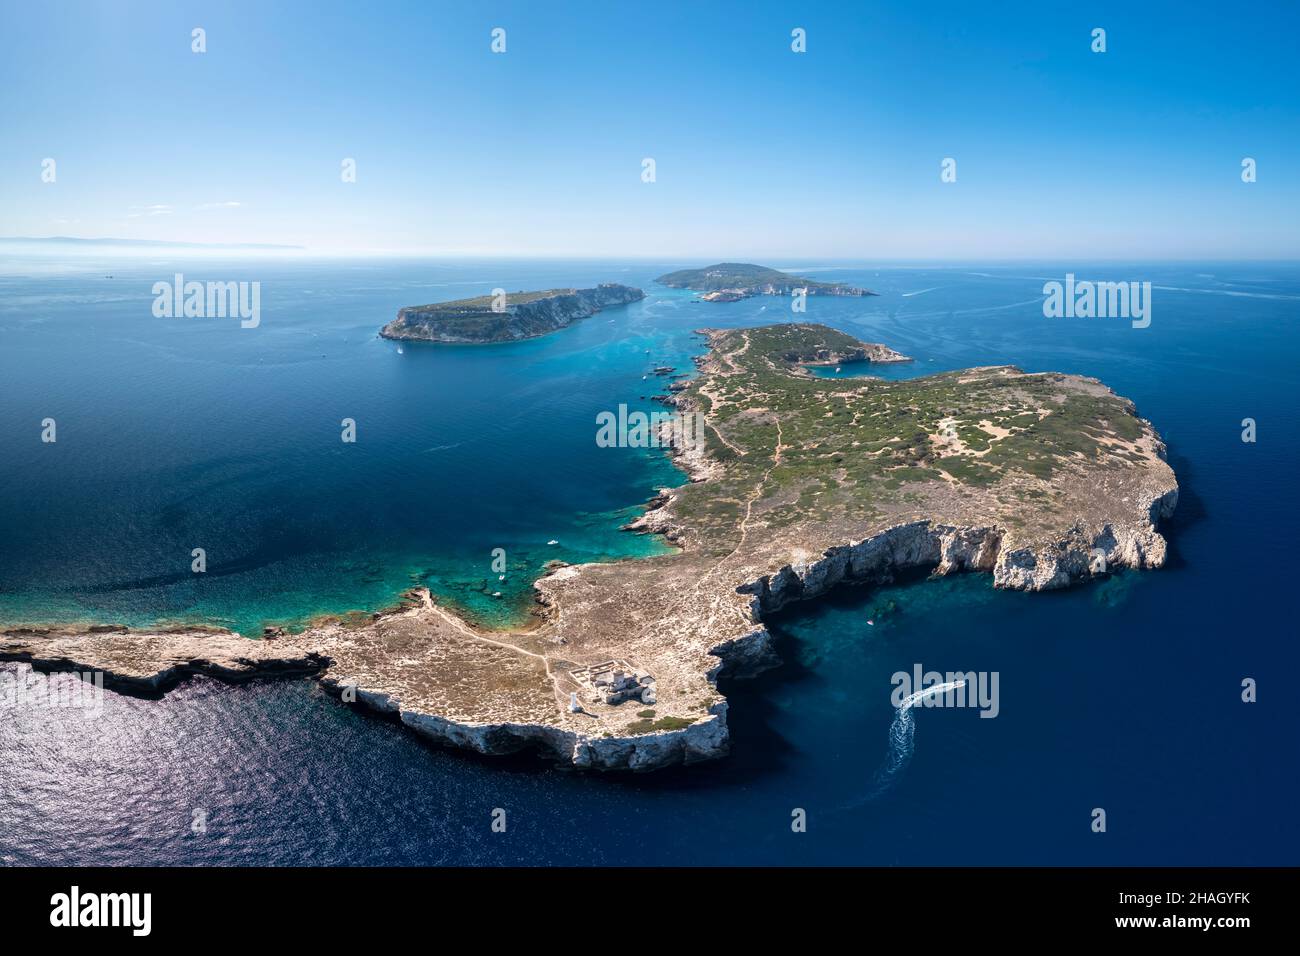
(846, 351)
(507, 318)
(731, 281)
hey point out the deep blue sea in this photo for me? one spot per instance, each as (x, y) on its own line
(175, 434)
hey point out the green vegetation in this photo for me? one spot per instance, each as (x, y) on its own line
(857, 446)
(458, 308)
(749, 277)
(654, 726)
(516, 315)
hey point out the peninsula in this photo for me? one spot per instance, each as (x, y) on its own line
(507, 317)
(731, 281)
(800, 483)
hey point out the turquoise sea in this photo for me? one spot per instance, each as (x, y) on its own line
(175, 434)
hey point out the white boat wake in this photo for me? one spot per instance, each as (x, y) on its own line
(901, 743)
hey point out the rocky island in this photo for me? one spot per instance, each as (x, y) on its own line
(843, 353)
(732, 281)
(800, 484)
(507, 318)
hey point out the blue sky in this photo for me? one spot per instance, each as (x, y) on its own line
(759, 151)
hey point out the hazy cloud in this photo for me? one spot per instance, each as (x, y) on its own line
(157, 209)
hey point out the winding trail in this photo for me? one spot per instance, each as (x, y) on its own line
(719, 597)
(744, 526)
(716, 401)
(463, 628)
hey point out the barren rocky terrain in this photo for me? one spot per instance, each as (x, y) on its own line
(803, 483)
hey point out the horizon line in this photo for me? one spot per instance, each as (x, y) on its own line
(307, 252)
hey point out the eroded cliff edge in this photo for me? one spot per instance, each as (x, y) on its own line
(507, 318)
(801, 483)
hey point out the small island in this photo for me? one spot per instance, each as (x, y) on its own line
(732, 281)
(845, 353)
(507, 318)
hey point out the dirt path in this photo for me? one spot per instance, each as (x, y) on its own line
(715, 401)
(718, 603)
(464, 629)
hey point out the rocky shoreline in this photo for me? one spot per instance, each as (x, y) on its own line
(875, 560)
(686, 618)
(510, 317)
